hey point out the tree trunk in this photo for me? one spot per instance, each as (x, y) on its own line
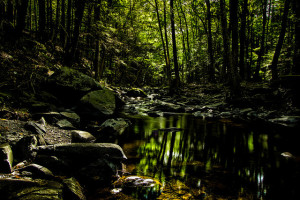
(10, 11)
(296, 60)
(211, 75)
(63, 24)
(68, 28)
(2, 12)
(242, 67)
(262, 42)
(21, 15)
(42, 18)
(280, 40)
(226, 52)
(79, 6)
(167, 44)
(97, 48)
(176, 68)
(163, 43)
(57, 17)
(234, 82)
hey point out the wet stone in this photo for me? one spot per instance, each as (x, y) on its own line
(6, 158)
(138, 186)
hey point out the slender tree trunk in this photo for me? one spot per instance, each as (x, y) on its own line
(57, 18)
(176, 68)
(183, 46)
(42, 18)
(211, 70)
(89, 27)
(97, 48)
(226, 50)
(68, 28)
(63, 24)
(163, 43)
(29, 16)
(234, 80)
(21, 15)
(2, 11)
(167, 44)
(10, 11)
(280, 40)
(242, 67)
(262, 42)
(49, 17)
(296, 60)
(79, 6)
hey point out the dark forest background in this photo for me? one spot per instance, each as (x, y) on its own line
(152, 42)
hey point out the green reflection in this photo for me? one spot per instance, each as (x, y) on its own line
(211, 153)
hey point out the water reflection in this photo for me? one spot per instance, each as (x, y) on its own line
(218, 158)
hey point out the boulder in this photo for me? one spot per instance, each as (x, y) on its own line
(37, 128)
(205, 115)
(56, 165)
(99, 171)
(289, 121)
(37, 171)
(65, 124)
(23, 150)
(136, 92)
(25, 189)
(82, 137)
(83, 151)
(168, 107)
(51, 117)
(110, 129)
(6, 158)
(71, 84)
(99, 103)
(73, 189)
(89, 162)
(71, 116)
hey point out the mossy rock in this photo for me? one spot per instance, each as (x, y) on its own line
(97, 104)
(71, 84)
(136, 92)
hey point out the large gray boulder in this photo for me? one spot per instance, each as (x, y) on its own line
(97, 104)
(84, 151)
(70, 84)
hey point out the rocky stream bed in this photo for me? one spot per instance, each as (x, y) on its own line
(60, 143)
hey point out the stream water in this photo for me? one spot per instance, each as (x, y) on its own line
(211, 159)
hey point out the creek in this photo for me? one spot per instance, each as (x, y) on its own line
(203, 159)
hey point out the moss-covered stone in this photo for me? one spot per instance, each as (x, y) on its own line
(99, 103)
(69, 84)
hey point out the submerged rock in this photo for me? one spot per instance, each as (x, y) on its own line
(139, 187)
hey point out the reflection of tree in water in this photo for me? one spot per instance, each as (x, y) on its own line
(225, 157)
